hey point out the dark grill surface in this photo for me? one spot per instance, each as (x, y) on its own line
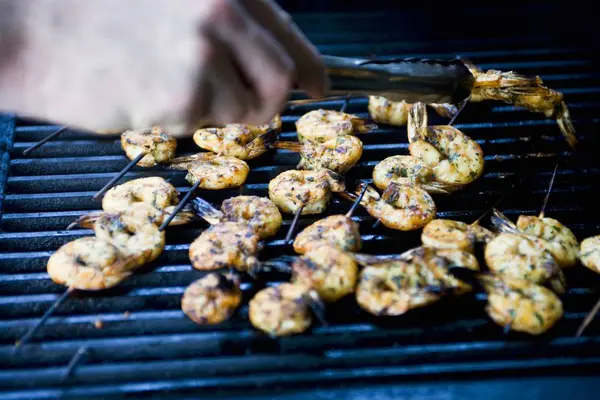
(154, 348)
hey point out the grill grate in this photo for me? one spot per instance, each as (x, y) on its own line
(147, 345)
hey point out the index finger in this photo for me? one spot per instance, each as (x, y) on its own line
(309, 66)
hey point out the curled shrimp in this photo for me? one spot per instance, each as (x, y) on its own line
(401, 207)
(528, 92)
(322, 125)
(457, 235)
(393, 287)
(236, 140)
(338, 154)
(154, 191)
(310, 190)
(89, 263)
(454, 258)
(143, 212)
(283, 310)
(213, 171)
(225, 245)
(556, 238)
(211, 299)
(328, 270)
(589, 253)
(337, 230)
(395, 113)
(135, 238)
(521, 305)
(259, 213)
(524, 257)
(158, 146)
(455, 158)
(407, 170)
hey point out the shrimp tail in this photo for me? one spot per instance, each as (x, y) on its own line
(445, 110)
(316, 305)
(86, 221)
(206, 211)
(417, 122)
(439, 188)
(260, 143)
(390, 194)
(364, 125)
(502, 223)
(336, 181)
(563, 119)
(370, 194)
(291, 146)
(368, 260)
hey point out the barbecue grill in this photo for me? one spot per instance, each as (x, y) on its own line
(134, 341)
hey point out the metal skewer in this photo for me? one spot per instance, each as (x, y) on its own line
(29, 334)
(588, 319)
(180, 206)
(357, 202)
(548, 192)
(460, 109)
(129, 166)
(44, 140)
(74, 363)
(288, 237)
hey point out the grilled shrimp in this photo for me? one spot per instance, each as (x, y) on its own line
(528, 92)
(213, 171)
(393, 287)
(211, 299)
(337, 230)
(158, 146)
(225, 245)
(456, 235)
(338, 154)
(259, 213)
(453, 257)
(524, 257)
(154, 191)
(590, 253)
(89, 263)
(455, 158)
(407, 170)
(133, 237)
(401, 207)
(293, 189)
(240, 141)
(521, 305)
(395, 113)
(557, 238)
(328, 270)
(284, 309)
(143, 211)
(322, 125)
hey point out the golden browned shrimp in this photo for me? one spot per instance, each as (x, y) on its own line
(400, 207)
(225, 245)
(133, 237)
(328, 270)
(259, 213)
(455, 158)
(154, 191)
(311, 190)
(457, 235)
(158, 146)
(557, 238)
(524, 257)
(393, 287)
(395, 113)
(528, 92)
(453, 257)
(143, 211)
(338, 154)
(212, 299)
(213, 171)
(408, 170)
(89, 263)
(284, 309)
(322, 125)
(590, 253)
(236, 140)
(336, 230)
(521, 305)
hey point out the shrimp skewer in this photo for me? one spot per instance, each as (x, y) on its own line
(395, 113)
(212, 299)
(338, 154)
(245, 142)
(146, 148)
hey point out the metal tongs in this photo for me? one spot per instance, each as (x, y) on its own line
(411, 80)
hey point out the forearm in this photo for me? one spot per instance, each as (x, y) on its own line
(12, 43)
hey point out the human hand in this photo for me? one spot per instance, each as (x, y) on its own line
(110, 65)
